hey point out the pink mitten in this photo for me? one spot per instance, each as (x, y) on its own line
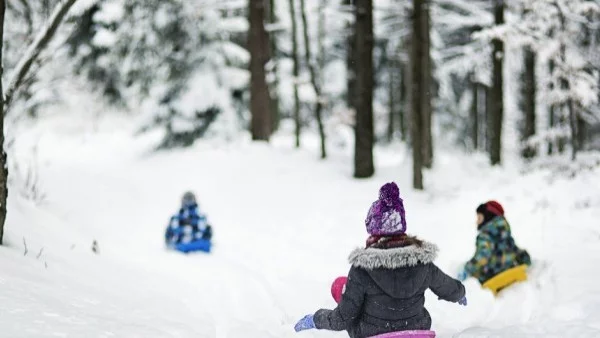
(338, 287)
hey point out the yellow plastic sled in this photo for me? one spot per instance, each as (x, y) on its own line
(506, 278)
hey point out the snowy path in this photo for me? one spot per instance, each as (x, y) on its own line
(284, 224)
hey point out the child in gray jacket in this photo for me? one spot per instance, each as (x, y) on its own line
(385, 290)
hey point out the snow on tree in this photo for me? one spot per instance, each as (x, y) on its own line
(461, 72)
(20, 71)
(556, 31)
(38, 88)
(174, 61)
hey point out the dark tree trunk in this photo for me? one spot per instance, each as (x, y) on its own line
(314, 79)
(562, 120)
(363, 100)
(551, 123)
(404, 101)
(351, 63)
(496, 93)
(426, 110)
(3, 162)
(582, 133)
(391, 108)
(574, 131)
(418, 88)
(475, 115)
(483, 104)
(296, 71)
(321, 37)
(566, 86)
(258, 45)
(486, 117)
(551, 112)
(321, 106)
(393, 74)
(528, 104)
(275, 113)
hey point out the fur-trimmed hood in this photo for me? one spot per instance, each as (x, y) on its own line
(393, 258)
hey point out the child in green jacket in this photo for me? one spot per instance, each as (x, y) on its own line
(496, 250)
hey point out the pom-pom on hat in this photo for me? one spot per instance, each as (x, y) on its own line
(386, 216)
(188, 199)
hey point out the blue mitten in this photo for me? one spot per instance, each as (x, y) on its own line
(463, 301)
(305, 323)
(462, 275)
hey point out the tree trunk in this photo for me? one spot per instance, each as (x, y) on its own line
(528, 97)
(496, 94)
(392, 90)
(296, 71)
(3, 162)
(551, 123)
(562, 121)
(582, 133)
(321, 106)
(418, 88)
(274, 86)
(483, 93)
(574, 131)
(551, 112)
(475, 114)
(363, 100)
(321, 38)
(351, 63)
(314, 79)
(565, 85)
(427, 139)
(258, 45)
(404, 101)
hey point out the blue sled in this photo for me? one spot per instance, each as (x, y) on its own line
(198, 245)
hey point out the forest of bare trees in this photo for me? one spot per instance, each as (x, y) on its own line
(422, 75)
(412, 83)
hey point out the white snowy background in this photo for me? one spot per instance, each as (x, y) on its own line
(284, 221)
(284, 224)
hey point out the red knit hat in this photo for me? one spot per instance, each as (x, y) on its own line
(494, 208)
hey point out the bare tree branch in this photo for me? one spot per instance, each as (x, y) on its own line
(314, 79)
(34, 50)
(27, 15)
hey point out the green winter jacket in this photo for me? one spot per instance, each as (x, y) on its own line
(496, 251)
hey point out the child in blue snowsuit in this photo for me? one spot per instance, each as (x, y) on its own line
(385, 289)
(189, 224)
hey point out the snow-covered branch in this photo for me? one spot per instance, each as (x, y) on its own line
(34, 50)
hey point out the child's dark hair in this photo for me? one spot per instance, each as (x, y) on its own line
(389, 242)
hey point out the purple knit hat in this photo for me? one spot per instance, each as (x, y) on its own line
(386, 215)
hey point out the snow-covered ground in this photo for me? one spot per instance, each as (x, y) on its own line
(284, 225)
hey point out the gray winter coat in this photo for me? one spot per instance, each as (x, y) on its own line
(385, 291)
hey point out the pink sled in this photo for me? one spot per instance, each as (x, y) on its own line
(408, 334)
(338, 288)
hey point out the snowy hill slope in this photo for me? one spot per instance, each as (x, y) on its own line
(284, 224)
